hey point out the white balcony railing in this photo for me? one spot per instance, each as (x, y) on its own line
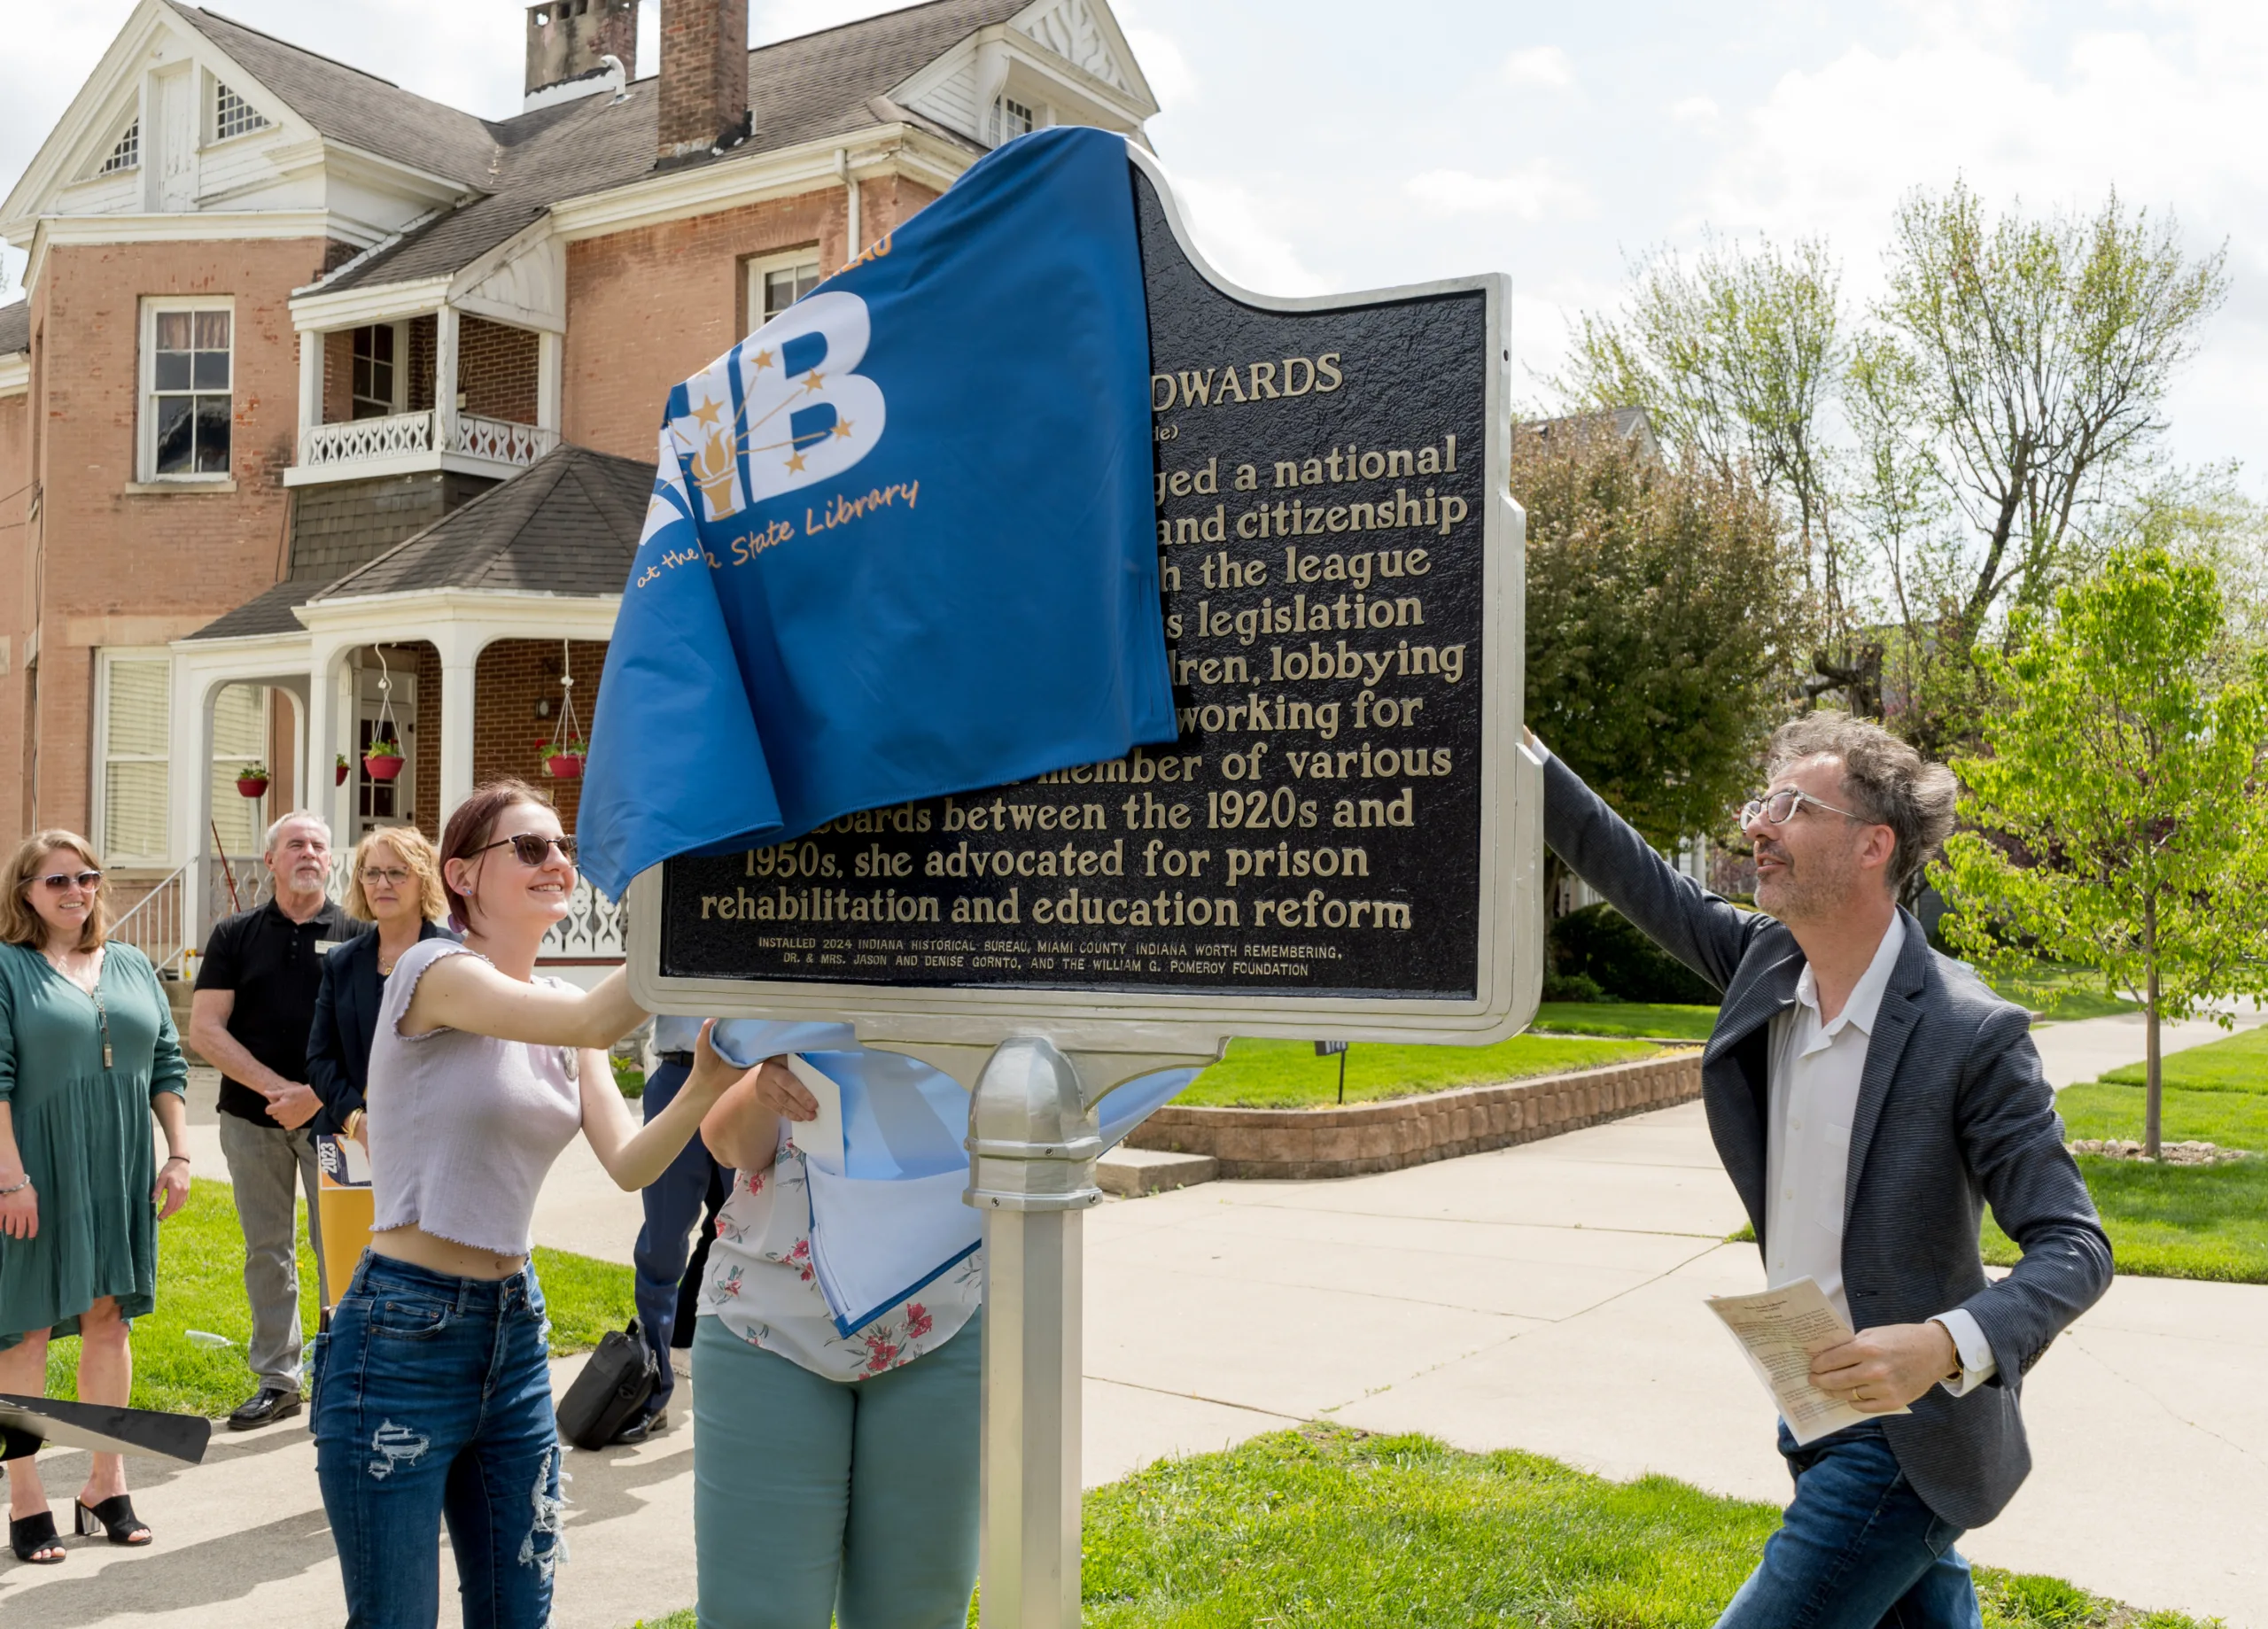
(410, 435)
(595, 928)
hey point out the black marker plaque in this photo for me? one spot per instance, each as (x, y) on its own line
(1315, 831)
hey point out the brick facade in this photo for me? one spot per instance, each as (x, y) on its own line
(507, 737)
(130, 568)
(649, 307)
(496, 370)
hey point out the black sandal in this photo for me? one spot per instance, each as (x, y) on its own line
(114, 1516)
(32, 1534)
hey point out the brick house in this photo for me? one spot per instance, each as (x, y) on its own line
(329, 413)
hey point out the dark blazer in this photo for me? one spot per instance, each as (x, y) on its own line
(1952, 1114)
(347, 1021)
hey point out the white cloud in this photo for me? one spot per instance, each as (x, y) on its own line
(1533, 191)
(1225, 220)
(1694, 110)
(1163, 64)
(1540, 66)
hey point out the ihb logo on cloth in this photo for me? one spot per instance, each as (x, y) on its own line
(783, 408)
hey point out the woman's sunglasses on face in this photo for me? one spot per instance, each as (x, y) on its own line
(530, 848)
(63, 881)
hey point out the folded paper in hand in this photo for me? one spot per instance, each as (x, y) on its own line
(1780, 1332)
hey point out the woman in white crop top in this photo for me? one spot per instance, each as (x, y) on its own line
(432, 1394)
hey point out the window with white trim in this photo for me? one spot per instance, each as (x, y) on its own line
(1011, 118)
(232, 115)
(187, 404)
(127, 154)
(239, 741)
(136, 758)
(777, 281)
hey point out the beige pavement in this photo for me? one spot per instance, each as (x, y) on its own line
(2092, 1047)
(1546, 1298)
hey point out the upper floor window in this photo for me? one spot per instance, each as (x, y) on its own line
(375, 375)
(127, 154)
(187, 381)
(778, 282)
(1012, 118)
(232, 115)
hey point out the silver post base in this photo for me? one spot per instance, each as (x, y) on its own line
(1031, 1420)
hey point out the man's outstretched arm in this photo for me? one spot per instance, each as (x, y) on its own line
(1704, 932)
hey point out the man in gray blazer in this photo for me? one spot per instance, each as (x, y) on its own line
(1869, 1098)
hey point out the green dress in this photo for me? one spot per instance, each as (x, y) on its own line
(84, 1134)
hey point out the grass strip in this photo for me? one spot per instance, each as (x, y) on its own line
(2207, 1114)
(1657, 1020)
(1287, 1074)
(200, 1286)
(1322, 1527)
(2239, 1064)
(2061, 993)
(2172, 1221)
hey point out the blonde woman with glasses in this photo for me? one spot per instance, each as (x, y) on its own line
(87, 1054)
(395, 884)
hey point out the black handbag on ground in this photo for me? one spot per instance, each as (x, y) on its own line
(611, 1391)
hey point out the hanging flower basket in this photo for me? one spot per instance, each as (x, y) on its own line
(253, 781)
(338, 772)
(382, 760)
(563, 759)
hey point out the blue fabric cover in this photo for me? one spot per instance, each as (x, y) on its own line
(901, 541)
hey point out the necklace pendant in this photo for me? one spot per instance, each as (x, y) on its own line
(106, 1057)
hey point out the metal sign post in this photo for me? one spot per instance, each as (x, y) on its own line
(1345, 843)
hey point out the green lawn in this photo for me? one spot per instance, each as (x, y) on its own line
(1659, 1019)
(200, 1286)
(2059, 992)
(1286, 1075)
(2215, 1114)
(1322, 1527)
(2238, 1063)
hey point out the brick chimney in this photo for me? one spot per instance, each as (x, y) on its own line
(568, 38)
(704, 77)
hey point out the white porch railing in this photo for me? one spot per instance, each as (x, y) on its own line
(360, 441)
(501, 439)
(158, 925)
(595, 928)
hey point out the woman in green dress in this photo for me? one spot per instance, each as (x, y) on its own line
(87, 1053)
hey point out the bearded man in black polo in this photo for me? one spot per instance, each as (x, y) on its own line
(253, 1006)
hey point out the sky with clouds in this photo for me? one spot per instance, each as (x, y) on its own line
(1325, 145)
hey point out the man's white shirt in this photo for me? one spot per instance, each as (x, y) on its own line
(1816, 1066)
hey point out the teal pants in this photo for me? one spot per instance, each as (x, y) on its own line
(815, 1499)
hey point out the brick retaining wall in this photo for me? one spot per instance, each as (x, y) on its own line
(1299, 1143)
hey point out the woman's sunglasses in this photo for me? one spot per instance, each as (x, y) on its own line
(532, 847)
(60, 881)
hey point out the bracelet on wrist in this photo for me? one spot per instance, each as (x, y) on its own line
(171, 1159)
(22, 1182)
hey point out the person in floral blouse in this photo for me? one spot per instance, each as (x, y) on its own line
(855, 1456)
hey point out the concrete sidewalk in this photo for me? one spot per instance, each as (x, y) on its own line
(2092, 1047)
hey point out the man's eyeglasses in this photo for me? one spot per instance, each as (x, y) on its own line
(532, 847)
(388, 878)
(1780, 807)
(62, 881)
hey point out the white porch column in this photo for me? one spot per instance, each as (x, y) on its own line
(550, 355)
(323, 744)
(310, 390)
(444, 384)
(460, 648)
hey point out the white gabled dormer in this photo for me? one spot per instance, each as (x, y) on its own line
(169, 127)
(1054, 62)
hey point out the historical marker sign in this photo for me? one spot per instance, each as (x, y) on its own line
(1339, 842)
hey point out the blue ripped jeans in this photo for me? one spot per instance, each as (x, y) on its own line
(1856, 1549)
(432, 1404)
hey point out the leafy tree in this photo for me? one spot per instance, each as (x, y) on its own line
(2118, 813)
(1662, 612)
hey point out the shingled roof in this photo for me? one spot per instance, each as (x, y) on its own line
(567, 524)
(15, 327)
(832, 83)
(361, 110)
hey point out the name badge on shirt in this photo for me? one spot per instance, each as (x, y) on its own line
(324, 947)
